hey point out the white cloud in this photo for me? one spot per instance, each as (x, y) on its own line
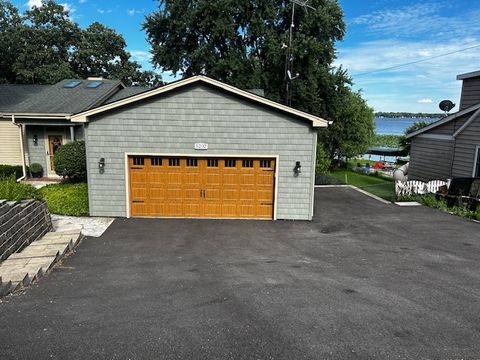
(425, 101)
(425, 19)
(32, 3)
(82, 1)
(400, 89)
(68, 8)
(132, 12)
(104, 11)
(140, 55)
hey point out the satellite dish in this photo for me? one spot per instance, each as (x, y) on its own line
(446, 105)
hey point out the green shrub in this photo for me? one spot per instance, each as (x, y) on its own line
(323, 161)
(67, 199)
(70, 161)
(8, 170)
(36, 170)
(13, 191)
(440, 204)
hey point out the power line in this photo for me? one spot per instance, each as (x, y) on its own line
(417, 61)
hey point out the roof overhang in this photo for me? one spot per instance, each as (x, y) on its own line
(36, 116)
(315, 121)
(468, 75)
(444, 121)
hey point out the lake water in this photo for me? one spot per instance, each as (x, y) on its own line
(396, 126)
(393, 126)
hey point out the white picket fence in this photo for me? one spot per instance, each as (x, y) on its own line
(415, 187)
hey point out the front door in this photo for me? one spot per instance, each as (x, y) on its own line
(54, 143)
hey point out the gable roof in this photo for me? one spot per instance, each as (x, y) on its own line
(58, 100)
(315, 121)
(444, 121)
(126, 92)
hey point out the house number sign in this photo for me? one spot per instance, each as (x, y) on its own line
(201, 146)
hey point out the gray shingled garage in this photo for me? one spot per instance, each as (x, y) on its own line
(200, 148)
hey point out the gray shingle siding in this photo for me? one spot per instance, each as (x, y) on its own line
(442, 159)
(36, 152)
(430, 159)
(470, 92)
(465, 145)
(172, 124)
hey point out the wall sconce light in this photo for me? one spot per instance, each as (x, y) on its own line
(297, 169)
(101, 163)
(35, 139)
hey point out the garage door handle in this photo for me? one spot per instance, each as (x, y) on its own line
(138, 201)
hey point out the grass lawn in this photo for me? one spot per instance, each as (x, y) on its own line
(67, 199)
(379, 186)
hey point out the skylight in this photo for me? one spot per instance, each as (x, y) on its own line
(94, 84)
(72, 84)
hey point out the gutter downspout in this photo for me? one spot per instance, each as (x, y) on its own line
(24, 169)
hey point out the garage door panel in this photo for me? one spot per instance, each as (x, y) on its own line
(190, 187)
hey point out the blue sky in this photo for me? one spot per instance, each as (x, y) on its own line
(380, 34)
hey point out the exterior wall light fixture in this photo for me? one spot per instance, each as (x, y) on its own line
(101, 163)
(35, 139)
(297, 169)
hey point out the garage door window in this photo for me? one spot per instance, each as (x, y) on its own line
(174, 162)
(230, 163)
(138, 161)
(192, 162)
(156, 161)
(212, 163)
(265, 164)
(247, 163)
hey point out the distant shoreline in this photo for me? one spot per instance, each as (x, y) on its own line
(408, 115)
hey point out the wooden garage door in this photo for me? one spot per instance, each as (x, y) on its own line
(198, 187)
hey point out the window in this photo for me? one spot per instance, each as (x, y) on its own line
(156, 161)
(212, 163)
(192, 162)
(265, 163)
(174, 162)
(94, 84)
(247, 163)
(138, 161)
(72, 84)
(230, 163)
(476, 169)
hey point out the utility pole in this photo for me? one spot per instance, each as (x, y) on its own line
(289, 77)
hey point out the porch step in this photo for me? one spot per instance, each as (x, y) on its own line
(20, 269)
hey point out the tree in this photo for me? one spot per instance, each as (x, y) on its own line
(353, 129)
(102, 51)
(242, 43)
(48, 35)
(10, 44)
(44, 46)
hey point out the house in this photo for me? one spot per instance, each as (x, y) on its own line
(193, 148)
(450, 147)
(35, 119)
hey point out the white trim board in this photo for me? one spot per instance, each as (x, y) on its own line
(210, 156)
(477, 151)
(315, 121)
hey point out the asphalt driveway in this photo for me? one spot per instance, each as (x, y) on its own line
(364, 280)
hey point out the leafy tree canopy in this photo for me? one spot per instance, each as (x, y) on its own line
(243, 43)
(44, 45)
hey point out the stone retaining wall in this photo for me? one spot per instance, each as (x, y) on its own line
(20, 224)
